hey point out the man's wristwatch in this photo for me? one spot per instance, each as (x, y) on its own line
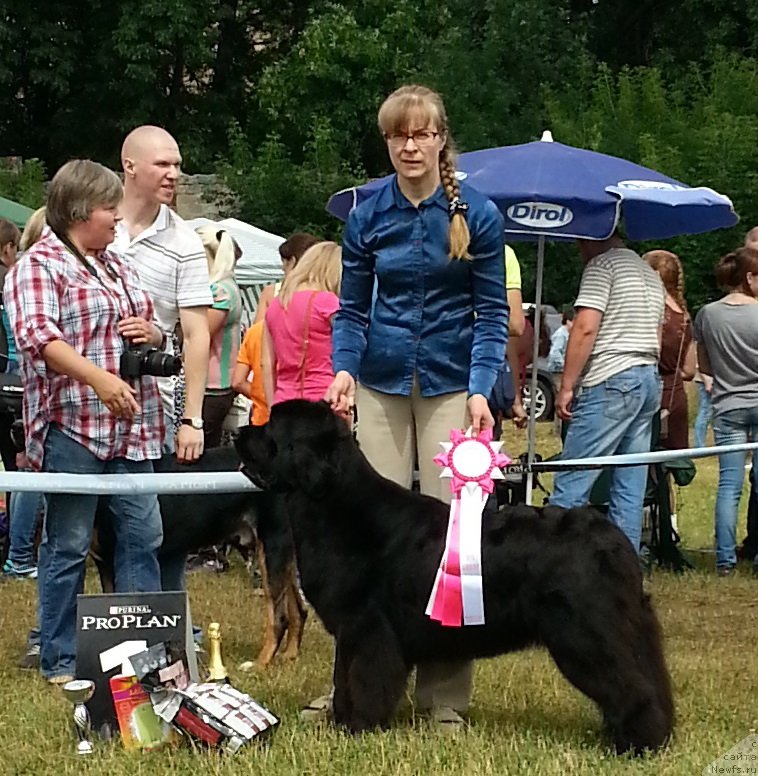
(196, 423)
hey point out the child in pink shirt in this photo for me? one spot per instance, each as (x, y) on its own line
(297, 351)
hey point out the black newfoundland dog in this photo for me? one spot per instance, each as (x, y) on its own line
(368, 550)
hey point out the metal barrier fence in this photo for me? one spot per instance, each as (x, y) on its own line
(236, 482)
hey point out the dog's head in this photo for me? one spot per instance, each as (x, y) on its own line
(298, 449)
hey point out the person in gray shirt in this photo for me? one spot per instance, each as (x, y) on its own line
(726, 333)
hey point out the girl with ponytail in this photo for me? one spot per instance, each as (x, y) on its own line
(677, 360)
(224, 321)
(423, 321)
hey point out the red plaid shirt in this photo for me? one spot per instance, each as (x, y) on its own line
(51, 296)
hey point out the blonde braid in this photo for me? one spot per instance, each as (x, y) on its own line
(459, 235)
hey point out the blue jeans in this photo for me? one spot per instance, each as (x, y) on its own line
(66, 541)
(704, 414)
(614, 417)
(731, 428)
(25, 509)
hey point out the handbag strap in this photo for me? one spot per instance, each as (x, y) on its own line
(678, 359)
(306, 343)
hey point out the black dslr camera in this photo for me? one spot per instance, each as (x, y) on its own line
(140, 360)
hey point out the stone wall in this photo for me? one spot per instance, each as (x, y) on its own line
(205, 196)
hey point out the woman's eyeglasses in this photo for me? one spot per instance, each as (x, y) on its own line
(420, 138)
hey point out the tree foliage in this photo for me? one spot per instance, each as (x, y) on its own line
(24, 183)
(281, 95)
(701, 128)
(283, 196)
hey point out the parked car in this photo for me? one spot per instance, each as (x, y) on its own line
(545, 393)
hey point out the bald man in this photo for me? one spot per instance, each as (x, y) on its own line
(171, 263)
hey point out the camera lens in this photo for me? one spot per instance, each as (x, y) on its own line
(161, 364)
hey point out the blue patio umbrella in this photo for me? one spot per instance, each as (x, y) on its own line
(550, 191)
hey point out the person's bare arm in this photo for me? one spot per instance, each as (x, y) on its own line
(689, 365)
(580, 343)
(240, 382)
(194, 322)
(216, 320)
(512, 352)
(268, 363)
(266, 296)
(516, 320)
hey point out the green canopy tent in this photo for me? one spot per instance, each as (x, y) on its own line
(13, 211)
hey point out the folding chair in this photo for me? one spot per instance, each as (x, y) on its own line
(658, 534)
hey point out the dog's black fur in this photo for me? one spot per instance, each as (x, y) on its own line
(250, 521)
(191, 521)
(368, 551)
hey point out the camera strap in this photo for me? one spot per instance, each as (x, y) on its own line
(92, 271)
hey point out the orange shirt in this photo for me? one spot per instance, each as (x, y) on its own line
(250, 353)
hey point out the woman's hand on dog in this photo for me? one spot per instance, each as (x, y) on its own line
(479, 409)
(341, 394)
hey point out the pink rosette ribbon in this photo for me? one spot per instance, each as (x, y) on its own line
(473, 463)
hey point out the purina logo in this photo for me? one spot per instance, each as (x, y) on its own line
(540, 215)
(135, 616)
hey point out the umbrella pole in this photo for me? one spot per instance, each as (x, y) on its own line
(535, 358)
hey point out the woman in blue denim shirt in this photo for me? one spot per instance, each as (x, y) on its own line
(423, 321)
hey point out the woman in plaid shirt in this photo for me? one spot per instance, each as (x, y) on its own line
(74, 307)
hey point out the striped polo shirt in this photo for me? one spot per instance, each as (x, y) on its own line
(172, 267)
(630, 295)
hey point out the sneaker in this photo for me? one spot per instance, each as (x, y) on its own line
(202, 563)
(60, 679)
(19, 570)
(30, 658)
(725, 571)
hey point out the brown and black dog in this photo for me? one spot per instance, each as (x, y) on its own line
(192, 521)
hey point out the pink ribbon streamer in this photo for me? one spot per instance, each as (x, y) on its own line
(447, 608)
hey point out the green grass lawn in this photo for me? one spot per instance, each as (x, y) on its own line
(525, 717)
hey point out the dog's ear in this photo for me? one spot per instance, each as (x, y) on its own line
(309, 468)
(309, 451)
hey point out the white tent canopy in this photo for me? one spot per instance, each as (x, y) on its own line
(260, 263)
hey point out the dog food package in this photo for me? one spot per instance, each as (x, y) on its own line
(221, 716)
(216, 715)
(140, 726)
